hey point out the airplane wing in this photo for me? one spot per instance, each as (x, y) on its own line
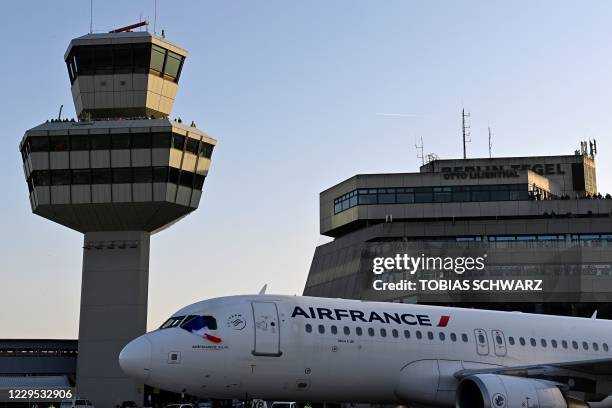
(588, 376)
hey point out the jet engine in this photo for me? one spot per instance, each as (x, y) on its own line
(504, 391)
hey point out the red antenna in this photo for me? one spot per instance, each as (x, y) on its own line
(129, 28)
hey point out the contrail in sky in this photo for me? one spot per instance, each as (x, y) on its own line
(399, 115)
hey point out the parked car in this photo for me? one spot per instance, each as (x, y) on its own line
(128, 404)
(179, 405)
(284, 404)
(76, 403)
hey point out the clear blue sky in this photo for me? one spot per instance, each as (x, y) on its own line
(291, 90)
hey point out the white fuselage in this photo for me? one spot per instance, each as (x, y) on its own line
(316, 349)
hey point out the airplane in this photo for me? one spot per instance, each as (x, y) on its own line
(297, 348)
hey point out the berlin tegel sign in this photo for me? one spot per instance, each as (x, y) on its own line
(464, 172)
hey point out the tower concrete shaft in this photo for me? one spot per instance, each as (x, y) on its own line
(113, 312)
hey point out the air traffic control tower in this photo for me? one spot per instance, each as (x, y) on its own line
(118, 174)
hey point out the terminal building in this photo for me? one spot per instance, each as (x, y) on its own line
(119, 173)
(531, 218)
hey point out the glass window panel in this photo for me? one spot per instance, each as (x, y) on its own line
(41, 178)
(500, 195)
(353, 201)
(120, 141)
(58, 143)
(423, 197)
(160, 174)
(173, 175)
(368, 199)
(199, 182)
(178, 141)
(157, 58)
(481, 196)
(122, 58)
(79, 142)
(141, 140)
(442, 197)
(206, 150)
(142, 174)
(337, 208)
(141, 57)
(39, 143)
(60, 177)
(84, 60)
(386, 198)
(192, 145)
(81, 176)
(161, 140)
(103, 55)
(405, 198)
(173, 64)
(100, 176)
(100, 142)
(186, 179)
(461, 196)
(122, 175)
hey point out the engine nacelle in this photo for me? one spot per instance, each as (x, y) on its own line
(504, 391)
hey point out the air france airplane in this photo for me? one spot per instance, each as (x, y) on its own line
(316, 349)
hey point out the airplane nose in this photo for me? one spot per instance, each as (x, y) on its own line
(135, 358)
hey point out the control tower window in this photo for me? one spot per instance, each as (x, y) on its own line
(120, 141)
(141, 54)
(172, 322)
(206, 150)
(60, 177)
(192, 145)
(178, 141)
(82, 176)
(141, 140)
(158, 55)
(173, 65)
(58, 143)
(39, 144)
(100, 142)
(85, 64)
(103, 57)
(122, 57)
(161, 140)
(79, 142)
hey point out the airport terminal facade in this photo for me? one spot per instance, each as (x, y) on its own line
(532, 218)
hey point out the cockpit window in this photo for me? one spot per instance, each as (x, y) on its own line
(199, 324)
(172, 322)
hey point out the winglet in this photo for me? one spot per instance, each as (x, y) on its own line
(263, 290)
(594, 315)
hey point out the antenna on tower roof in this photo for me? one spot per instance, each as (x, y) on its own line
(465, 116)
(155, 19)
(91, 17)
(490, 144)
(420, 150)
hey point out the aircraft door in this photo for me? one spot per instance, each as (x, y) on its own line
(482, 343)
(267, 329)
(499, 343)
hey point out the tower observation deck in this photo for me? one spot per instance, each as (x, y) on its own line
(119, 173)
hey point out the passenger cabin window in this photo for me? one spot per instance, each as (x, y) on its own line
(522, 341)
(430, 335)
(585, 345)
(308, 328)
(395, 333)
(605, 347)
(419, 335)
(321, 329)
(595, 346)
(359, 331)
(553, 343)
(464, 338)
(442, 336)
(511, 340)
(407, 334)
(383, 332)
(371, 332)
(172, 322)
(543, 342)
(347, 331)
(334, 330)
(564, 344)
(453, 337)
(532, 341)
(575, 345)
(199, 324)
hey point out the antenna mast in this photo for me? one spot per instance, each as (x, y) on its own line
(91, 17)
(465, 130)
(155, 19)
(420, 149)
(490, 145)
